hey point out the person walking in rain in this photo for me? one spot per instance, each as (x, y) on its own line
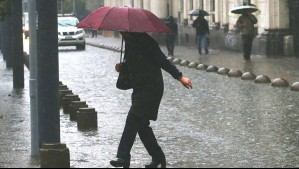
(202, 32)
(144, 59)
(245, 24)
(94, 33)
(171, 37)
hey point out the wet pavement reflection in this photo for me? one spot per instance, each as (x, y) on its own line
(221, 122)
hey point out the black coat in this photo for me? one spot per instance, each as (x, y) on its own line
(201, 25)
(145, 60)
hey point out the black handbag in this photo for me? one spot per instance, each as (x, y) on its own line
(123, 81)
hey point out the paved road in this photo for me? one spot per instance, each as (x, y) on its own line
(222, 122)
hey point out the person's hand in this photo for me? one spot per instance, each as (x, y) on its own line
(117, 67)
(186, 82)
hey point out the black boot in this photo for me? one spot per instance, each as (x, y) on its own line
(156, 163)
(120, 163)
(199, 51)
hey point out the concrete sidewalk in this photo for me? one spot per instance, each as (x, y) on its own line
(280, 67)
(15, 146)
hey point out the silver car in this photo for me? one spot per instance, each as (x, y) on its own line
(69, 34)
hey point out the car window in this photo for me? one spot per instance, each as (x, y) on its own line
(66, 22)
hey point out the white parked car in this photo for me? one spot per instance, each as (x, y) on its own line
(69, 34)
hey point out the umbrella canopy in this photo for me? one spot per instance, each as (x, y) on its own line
(198, 12)
(124, 19)
(241, 8)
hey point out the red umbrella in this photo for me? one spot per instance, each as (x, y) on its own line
(124, 19)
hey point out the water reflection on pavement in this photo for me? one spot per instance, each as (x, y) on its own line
(222, 122)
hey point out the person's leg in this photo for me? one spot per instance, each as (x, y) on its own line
(172, 48)
(133, 124)
(149, 141)
(205, 43)
(168, 45)
(247, 43)
(250, 41)
(199, 43)
(172, 45)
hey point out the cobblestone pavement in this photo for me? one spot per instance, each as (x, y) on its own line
(16, 110)
(278, 67)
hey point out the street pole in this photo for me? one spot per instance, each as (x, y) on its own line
(1, 38)
(47, 72)
(9, 58)
(33, 78)
(17, 45)
(74, 7)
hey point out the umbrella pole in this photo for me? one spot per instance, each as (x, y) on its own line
(121, 50)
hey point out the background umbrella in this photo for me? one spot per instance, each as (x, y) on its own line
(124, 19)
(239, 9)
(198, 12)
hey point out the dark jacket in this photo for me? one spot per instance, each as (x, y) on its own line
(171, 24)
(145, 60)
(249, 20)
(201, 25)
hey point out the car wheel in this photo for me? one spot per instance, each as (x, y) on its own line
(80, 47)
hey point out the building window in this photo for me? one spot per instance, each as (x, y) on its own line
(142, 4)
(213, 5)
(181, 5)
(212, 10)
(247, 1)
(201, 4)
(191, 4)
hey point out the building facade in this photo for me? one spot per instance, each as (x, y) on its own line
(277, 30)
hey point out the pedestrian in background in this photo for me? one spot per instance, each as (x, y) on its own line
(171, 37)
(144, 59)
(245, 24)
(94, 33)
(202, 32)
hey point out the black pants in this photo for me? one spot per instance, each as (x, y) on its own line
(170, 40)
(247, 46)
(94, 33)
(134, 125)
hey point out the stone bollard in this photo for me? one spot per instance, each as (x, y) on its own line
(62, 93)
(176, 61)
(63, 87)
(54, 156)
(170, 59)
(262, 79)
(87, 119)
(66, 101)
(223, 71)
(295, 87)
(192, 65)
(202, 67)
(74, 108)
(184, 63)
(280, 82)
(235, 73)
(248, 76)
(212, 69)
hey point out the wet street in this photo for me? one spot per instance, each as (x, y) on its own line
(221, 122)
